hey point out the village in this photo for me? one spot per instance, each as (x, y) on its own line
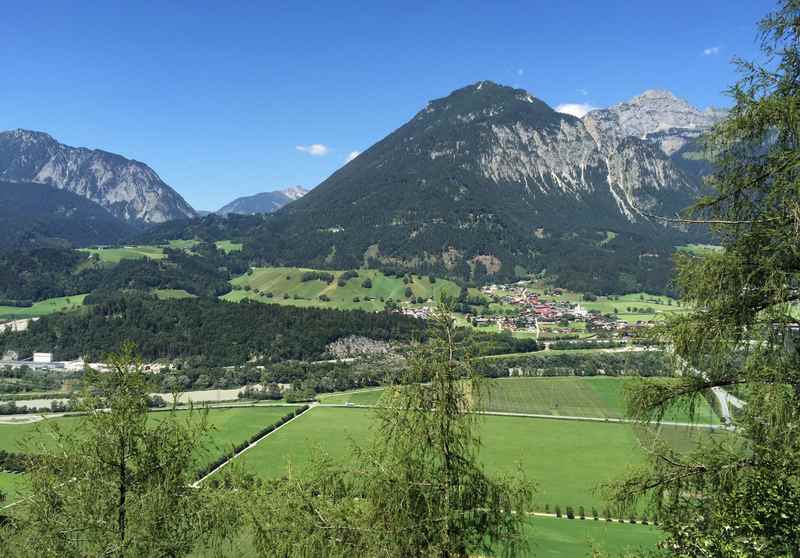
(528, 310)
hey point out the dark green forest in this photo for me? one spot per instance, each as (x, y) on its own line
(220, 333)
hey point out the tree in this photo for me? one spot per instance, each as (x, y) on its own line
(418, 490)
(739, 494)
(118, 485)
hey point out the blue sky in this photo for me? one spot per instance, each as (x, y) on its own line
(217, 96)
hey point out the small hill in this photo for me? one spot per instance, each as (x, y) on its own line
(32, 214)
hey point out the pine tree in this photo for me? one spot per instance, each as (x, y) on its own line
(739, 494)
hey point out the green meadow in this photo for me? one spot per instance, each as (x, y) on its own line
(567, 459)
(598, 397)
(113, 255)
(42, 308)
(285, 285)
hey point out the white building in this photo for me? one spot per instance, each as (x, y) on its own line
(43, 358)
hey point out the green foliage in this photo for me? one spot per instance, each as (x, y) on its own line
(418, 490)
(118, 485)
(220, 333)
(740, 496)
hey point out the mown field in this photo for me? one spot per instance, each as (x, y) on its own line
(285, 285)
(567, 459)
(600, 397)
(42, 308)
(593, 397)
(229, 427)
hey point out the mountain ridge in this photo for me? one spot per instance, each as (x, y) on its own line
(263, 202)
(128, 189)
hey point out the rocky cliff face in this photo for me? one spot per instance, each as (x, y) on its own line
(490, 179)
(128, 189)
(506, 143)
(658, 116)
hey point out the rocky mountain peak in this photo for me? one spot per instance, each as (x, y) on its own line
(128, 189)
(294, 192)
(655, 115)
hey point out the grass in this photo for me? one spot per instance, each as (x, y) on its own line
(566, 459)
(113, 255)
(563, 538)
(228, 428)
(165, 294)
(359, 397)
(227, 246)
(596, 397)
(547, 538)
(699, 249)
(287, 281)
(42, 308)
(13, 485)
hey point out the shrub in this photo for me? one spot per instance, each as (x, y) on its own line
(558, 511)
(324, 298)
(581, 512)
(367, 283)
(570, 513)
(408, 292)
(356, 299)
(594, 514)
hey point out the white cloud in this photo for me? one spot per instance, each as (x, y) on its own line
(520, 72)
(575, 109)
(351, 156)
(316, 149)
(583, 92)
(710, 51)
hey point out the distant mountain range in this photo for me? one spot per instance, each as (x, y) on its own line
(128, 189)
(265, 202)
(34, 214)
(487, 182)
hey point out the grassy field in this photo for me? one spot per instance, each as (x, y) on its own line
(115, 254)
(42, 308)
(164, 294)
(359, 397)
(584, 397)
(566, 459)
(230, 426)
(547, 537)
(13, 485)
(699, 249)
(563, 538)
(286, 286)
(112, 255)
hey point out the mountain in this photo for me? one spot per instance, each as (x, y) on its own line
(491, 180)
(657, 116)
(265, 202)
(128, 189)
(34, 214)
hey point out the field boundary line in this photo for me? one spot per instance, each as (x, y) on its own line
(549, 417)
(197, 483)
